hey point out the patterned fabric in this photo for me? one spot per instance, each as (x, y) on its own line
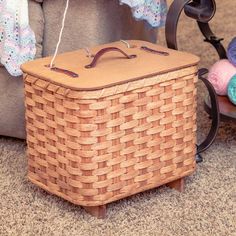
(17, 40)
(153, 11)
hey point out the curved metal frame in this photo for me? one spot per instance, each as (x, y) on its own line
(215, 113)
(202, 11)
(212, 39)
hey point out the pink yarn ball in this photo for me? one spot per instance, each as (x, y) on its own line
(220, 74)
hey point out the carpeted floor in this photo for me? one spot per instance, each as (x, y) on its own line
(207, 208)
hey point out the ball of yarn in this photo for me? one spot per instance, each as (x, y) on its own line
(231, 51)
(220, 74)
(232, 90)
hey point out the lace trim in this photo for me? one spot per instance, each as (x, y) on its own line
(152, 11)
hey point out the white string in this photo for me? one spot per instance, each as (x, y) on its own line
(60, 35)
(126, 43)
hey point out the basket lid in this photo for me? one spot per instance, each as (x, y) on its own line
(112, 67)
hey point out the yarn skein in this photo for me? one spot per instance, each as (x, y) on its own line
(232, 90)
(220, 74)
(231, 51)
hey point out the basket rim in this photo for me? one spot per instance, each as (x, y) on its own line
(108, 85)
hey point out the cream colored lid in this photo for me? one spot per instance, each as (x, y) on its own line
(112, 68)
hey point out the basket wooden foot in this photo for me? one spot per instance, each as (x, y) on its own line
(97, 211)
(177, 185)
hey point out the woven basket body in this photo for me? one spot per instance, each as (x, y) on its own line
(96, 146)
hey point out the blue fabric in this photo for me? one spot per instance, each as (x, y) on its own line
(232, 90)
(231, 51)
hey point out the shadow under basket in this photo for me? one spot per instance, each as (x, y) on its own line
(108, 134)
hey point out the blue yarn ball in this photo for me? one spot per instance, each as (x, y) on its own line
(232, 90)
(231, 51)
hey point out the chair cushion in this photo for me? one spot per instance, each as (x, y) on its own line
(36, 19)
(12, 121)
(90, 23)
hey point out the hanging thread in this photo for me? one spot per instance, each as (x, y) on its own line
(60, 35)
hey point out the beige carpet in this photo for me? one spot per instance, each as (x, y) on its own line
(207, 208)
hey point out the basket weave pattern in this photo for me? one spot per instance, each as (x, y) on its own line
(95, 147)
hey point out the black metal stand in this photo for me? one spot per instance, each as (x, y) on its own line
(202, 11)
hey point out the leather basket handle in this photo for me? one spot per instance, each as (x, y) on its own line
(100, 53)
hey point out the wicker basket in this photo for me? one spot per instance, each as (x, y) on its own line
(108, 134)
